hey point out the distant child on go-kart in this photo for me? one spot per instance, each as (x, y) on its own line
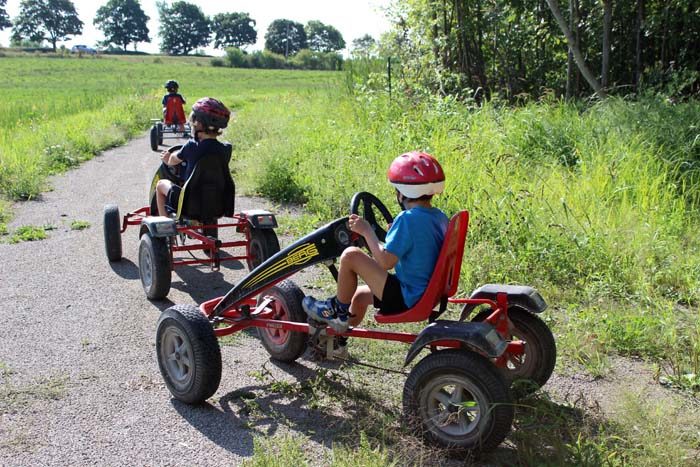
(209, 116)
(412, 247)
(173, 111)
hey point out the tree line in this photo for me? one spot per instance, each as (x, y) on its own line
(528, 48)
(184, 27)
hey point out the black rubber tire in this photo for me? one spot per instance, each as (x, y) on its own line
(154, 266)
(112, 232)
(263, 244)
(536, 365)
(285, 346)
(183, 331)
(154, 138)
(159, 130)
(464, 373)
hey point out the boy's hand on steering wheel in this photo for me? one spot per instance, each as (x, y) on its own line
(359, 225)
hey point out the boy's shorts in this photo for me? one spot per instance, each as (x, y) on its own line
(392, 299)
(173, 198)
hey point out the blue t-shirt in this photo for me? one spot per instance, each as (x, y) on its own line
(416, 238)
(170, 96)
(194, 150)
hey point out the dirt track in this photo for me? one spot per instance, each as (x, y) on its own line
(79, 382)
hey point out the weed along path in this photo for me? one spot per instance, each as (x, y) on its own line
(79, 381)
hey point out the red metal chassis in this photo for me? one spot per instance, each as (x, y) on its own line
(204, 243)
(239, 317)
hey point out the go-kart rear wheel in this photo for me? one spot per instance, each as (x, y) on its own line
(188, 354)
(285, 346)
(263, 244)
(154, 138)
(112, 231)
(154, 266)
(159, 128)
(458, 400)
(531, 370)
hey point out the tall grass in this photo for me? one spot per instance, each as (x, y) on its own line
(597, 207)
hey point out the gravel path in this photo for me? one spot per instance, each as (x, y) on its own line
(79, 383)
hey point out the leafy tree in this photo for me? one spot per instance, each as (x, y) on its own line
(363, 47)
(183, 28)
(285, 37)
(4, 18)
(324, 37)
(233, 29)
(50, 20)
(122, 22)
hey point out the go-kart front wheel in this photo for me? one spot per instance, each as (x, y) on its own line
(531, 370)
(154, 266)
(285, 346)
(263, 244)
(188, 354)
(112, 231)
(458, 400)
(154, 138)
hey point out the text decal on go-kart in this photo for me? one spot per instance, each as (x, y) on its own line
(302, 254)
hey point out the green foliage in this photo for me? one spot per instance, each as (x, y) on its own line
(79, 225)
(309, 60)
(4, 17)
(514, 48)
(323, 37)
(29, 233)
(183, 27)
(285, 37)
(233, 30)
(122, 22)
(363, 47)
(278, 182)
(51, 20)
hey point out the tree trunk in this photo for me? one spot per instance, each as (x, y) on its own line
(575, 50)
(607, 20)
(638, 45)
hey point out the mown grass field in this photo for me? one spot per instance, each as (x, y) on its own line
(595, 206)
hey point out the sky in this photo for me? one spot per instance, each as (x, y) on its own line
(353, 18)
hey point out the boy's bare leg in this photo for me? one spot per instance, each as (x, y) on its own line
(362, 299)
(355, 262)
(162, 189)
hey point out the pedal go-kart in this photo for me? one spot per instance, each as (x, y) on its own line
(457, 396)
(160, 128)
(207, 196)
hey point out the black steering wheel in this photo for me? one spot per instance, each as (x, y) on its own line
(364, 204)
(171, 172)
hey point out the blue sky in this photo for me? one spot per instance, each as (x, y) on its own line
(353, 18)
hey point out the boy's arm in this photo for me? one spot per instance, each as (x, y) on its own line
(385, 259)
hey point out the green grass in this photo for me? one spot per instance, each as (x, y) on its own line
(79, 225)
(597, 207)
(50, 121)
(29, 233)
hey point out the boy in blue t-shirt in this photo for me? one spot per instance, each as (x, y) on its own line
(208, 118)
(412, 247)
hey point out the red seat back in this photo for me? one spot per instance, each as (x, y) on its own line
(174, 113)
(445, 278)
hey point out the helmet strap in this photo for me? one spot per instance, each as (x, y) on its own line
(400, 199)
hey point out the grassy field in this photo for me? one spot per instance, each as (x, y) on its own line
(595, 206)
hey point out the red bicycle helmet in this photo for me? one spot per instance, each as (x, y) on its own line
(416, 174)
(212, 113)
